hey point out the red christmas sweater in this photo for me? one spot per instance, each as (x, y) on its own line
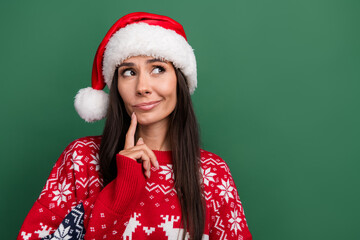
(74, 204)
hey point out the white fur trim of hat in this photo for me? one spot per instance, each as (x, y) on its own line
(143, 39)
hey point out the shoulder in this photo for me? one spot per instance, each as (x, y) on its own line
(214, 162)
(219, 185)
(215, 173)
(83, 145)
(82, 156)
(75, 175)
(87, 143)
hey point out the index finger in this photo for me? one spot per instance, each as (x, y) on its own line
(130, 135)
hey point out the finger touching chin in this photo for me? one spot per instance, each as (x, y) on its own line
(146, 119)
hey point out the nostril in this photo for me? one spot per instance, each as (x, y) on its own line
(143, 92)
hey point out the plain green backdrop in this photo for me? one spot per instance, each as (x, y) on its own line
(277, 99)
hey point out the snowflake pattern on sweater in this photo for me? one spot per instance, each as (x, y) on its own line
(74, 204)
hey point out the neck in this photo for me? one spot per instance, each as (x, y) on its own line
(155, 135)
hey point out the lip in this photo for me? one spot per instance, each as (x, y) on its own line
(147, 105)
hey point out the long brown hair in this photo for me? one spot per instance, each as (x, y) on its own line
(185, 145)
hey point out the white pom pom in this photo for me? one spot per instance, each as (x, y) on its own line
(91, 104)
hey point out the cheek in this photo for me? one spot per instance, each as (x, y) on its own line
(124, 94)
(168, 89)
(168, 84)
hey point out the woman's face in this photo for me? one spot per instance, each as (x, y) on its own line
(148, 87)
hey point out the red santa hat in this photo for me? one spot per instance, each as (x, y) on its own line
(134, 34)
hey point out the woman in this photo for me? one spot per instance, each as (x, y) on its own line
(146, 176)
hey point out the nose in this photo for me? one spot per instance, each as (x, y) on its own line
(143, 86)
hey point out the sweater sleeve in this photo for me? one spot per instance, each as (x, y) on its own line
(228, 218)
(115, 202)
(73, 204)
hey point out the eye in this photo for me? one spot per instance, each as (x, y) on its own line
(158, 69)
(127, 73)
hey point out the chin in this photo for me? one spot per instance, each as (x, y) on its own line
(145, 119)
(148, 119)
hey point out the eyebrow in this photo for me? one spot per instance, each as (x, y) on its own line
(155, 60)
(130, 64)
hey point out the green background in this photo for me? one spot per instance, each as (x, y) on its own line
(277, 99)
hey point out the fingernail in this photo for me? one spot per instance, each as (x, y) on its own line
(141, 139)
(132, 115)
(157, 165)
(148, 174)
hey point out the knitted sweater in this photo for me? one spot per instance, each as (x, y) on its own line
(74, 204)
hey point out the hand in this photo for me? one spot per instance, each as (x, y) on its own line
(140, 151)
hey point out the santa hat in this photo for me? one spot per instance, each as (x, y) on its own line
(134, 34)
